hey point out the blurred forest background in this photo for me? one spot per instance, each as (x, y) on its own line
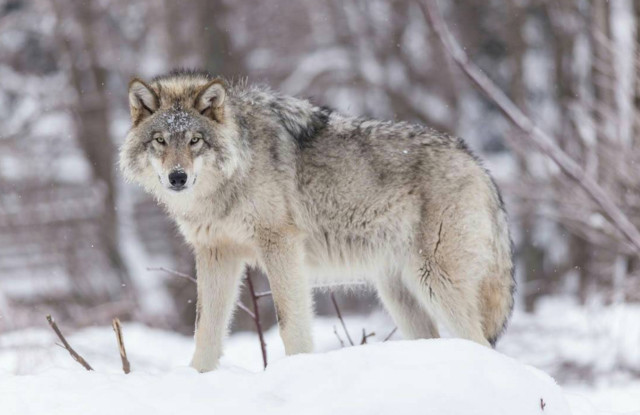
(76, 241)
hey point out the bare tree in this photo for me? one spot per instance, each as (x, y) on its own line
(91, 117)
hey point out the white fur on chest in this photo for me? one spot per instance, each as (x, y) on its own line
(211, 231)
(201, 224)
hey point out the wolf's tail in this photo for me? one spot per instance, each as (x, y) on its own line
(498, 286)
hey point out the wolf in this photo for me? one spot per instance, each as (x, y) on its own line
(309, 195)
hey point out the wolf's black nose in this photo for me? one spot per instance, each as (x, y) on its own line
(177, 179)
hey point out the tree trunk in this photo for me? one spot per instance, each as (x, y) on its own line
(636, 95)
(532, 256)
(92, 125)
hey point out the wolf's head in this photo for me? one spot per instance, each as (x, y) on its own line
(184, 133)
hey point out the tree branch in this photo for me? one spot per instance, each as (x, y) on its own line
(117, 328)
(365, 336)
(541, 140)
(335, 331)
(246, 310)
(344, 326)
(256, 319)
(390, 334)
(173, 272)
(263, 294)
(72, 352)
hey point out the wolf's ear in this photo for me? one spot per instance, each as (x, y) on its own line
(143, 101)
(210, 100)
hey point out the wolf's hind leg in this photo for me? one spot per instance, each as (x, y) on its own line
(409, 315)
(454, 300)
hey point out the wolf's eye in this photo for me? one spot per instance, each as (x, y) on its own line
(195, 139)
(159, 139)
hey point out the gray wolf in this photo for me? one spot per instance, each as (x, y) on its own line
(309, 195)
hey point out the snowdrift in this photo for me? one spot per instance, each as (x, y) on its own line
(443, 376)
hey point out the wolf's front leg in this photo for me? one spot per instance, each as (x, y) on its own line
(219, 272)
(290, 290)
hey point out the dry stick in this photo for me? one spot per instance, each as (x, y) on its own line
(263, 294)
(344, 326)
(256, 319)
(72, 352)
(117, 328)
(246, 310)
(390, 334)
(335, 331)
(173, 272)
(365, 336)
(541, 140)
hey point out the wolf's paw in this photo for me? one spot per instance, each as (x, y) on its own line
(203, 363)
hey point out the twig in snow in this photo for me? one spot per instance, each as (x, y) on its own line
(344, 326)
(541, 140)
(390, 334)
(72, 352)
(335, 331)
(256, 319)
(365, 336)
(117, 328)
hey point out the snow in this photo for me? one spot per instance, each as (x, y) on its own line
(178, 121)
(600, 339)
(592, 351)
(443, 376)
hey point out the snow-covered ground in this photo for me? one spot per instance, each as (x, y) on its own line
(433, 376)
(593, 351)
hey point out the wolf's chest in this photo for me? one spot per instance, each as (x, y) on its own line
(209, 232)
